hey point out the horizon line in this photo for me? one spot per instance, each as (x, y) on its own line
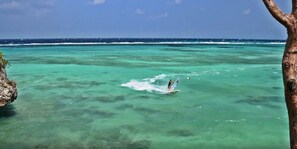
(139, 38)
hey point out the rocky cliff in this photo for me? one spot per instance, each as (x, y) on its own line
(8, 90)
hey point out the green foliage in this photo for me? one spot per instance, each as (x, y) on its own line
(2, 60)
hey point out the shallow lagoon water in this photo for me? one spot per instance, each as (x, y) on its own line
(112, 96)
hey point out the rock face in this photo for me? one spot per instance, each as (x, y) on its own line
(8, 90)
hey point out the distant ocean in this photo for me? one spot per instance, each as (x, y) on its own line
(134, 41)
(112, 93)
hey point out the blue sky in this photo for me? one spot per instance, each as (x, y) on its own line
(244, 19)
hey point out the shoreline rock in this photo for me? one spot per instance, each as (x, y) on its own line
(8, 89)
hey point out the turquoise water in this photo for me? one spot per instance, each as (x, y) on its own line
(114, 96)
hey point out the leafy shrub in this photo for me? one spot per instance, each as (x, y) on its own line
(2, 60)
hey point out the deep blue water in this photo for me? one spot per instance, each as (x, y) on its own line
(100, 41)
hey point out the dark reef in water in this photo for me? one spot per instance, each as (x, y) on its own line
(65, 83)
(266, 101)
(7, 111)
(146, 110)
(277, 88)
(99, 113)
(181, 133)
(106, 99)
(114, 139)
(125, 106)
(104, 139)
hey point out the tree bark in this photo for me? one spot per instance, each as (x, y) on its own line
(289, 63)
(277, 13)
(294, 7)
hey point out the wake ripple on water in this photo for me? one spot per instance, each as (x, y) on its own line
(145, 86)
(157, 84)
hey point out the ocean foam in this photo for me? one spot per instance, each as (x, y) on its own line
(145, 86)
(156, 84)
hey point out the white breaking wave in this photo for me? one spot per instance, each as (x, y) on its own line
(141, 43)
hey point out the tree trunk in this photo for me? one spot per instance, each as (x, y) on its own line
(289, 63)
(289, 68)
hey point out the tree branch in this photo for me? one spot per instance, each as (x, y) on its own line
(277, 13)
(294, 8)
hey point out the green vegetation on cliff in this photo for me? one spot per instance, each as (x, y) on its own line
(3, 61)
